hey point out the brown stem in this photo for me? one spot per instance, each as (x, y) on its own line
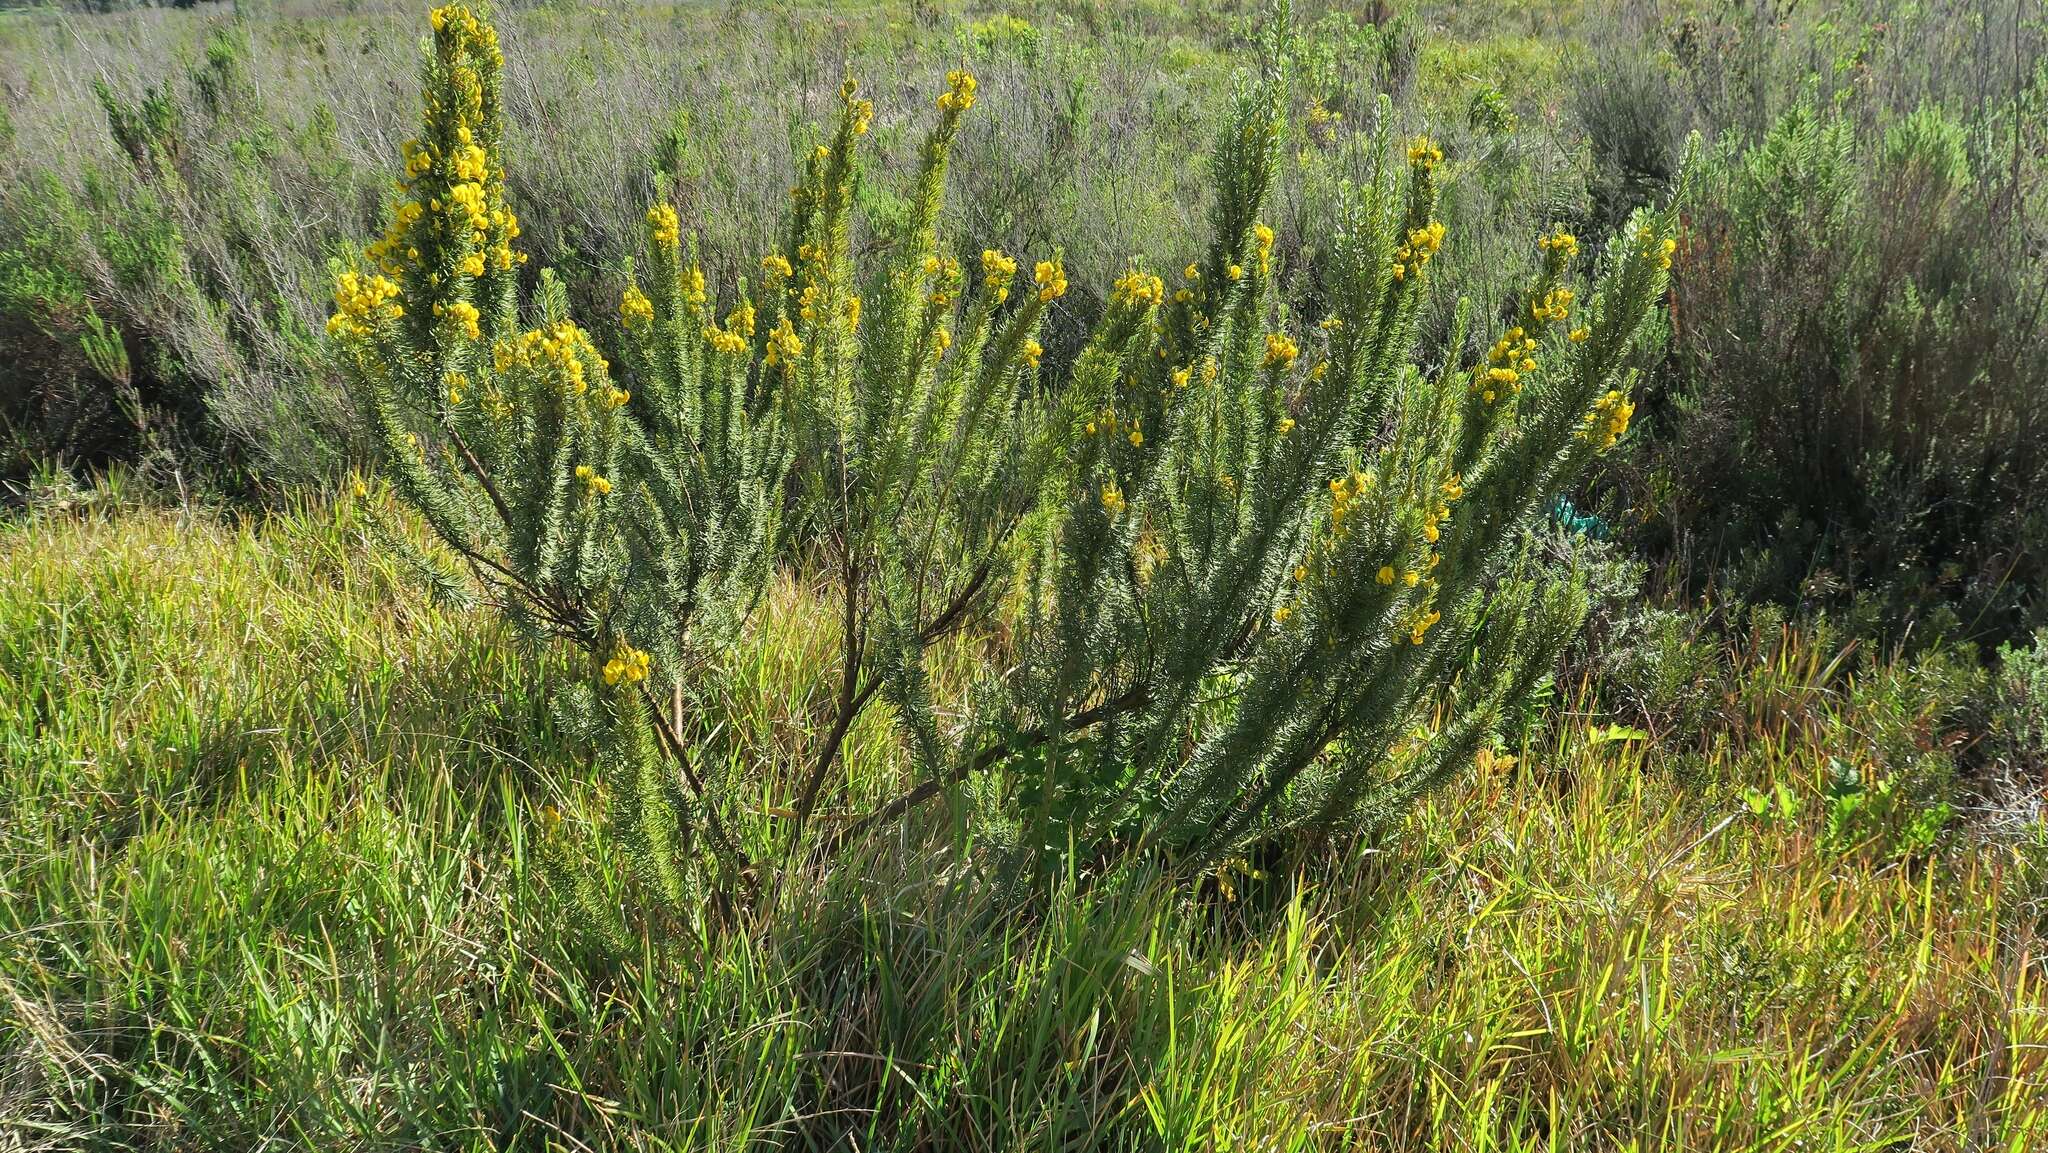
(482, 478)
(1135, 698)
(852, 698)
(674, 743)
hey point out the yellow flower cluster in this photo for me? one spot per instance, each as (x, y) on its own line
(959, 93)
(1608, 420)
(860, 113)
(784, 347)
(1113, 499)
(1559, 242)
(663, 226)
(1051, 278)
(628, 664)
(465, 316)
(1280, 351)
(1660, 251)
(1555, 305)
(1264, 235)
(726, 343)
(997, 270)
(944, 271)
(469, 163)
(1420, 622)
(1345, 492)
(636, 312)
(741, 318)
(1510, 359)
(593, 484)
(468, 198)
(1032, 351)
(560, 352)
(1432, 522)
(1136, 288)
(359, 302)
(777, 266)
(1424, 152)
(1422, 245)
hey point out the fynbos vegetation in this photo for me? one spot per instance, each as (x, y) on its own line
(682, 577)
(1248, 555)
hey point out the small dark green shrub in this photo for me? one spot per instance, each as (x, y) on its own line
(1851, 409)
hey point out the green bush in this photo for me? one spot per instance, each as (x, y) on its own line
(1847, 421)
(1261, 574)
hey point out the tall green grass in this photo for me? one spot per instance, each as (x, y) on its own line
(268, 821)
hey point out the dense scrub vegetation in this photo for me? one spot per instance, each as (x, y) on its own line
(820, 578)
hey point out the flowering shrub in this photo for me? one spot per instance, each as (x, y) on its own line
(1259, 568)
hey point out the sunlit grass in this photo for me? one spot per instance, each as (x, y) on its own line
(266, 820)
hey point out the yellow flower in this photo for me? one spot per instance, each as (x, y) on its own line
(663, 226)
(959, 93)
(1137, 437)
(1137, 288)
(635, 310)
(776, 265)
(1608, 420)
(1386, 574)
(1281, 614)
(728, 343)
(465, 316)
(592, 482)
(1191, 273)
(1286, 425)
(1578, 335)
(1051, 278)
(1420, 624)
(997, 270)
(1235, 272)
(1113, 498)
(628, 664)
(1280, 351)
(360, 301)
(1032, 351)
(784, 346)
(1423, 151)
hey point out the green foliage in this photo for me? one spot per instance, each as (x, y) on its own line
(271, 823)
(1201, 508)
(1853, 388)
(2020, 705)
